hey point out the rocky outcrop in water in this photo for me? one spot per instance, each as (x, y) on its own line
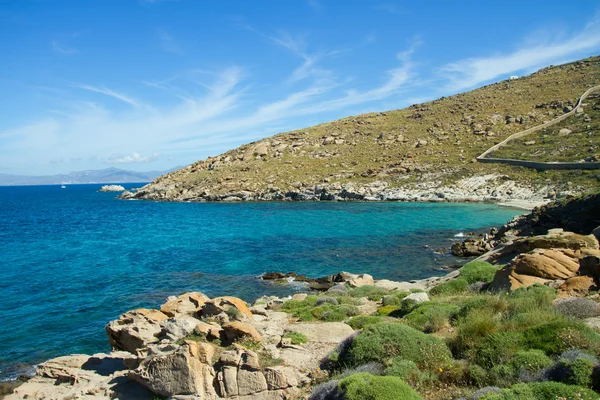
(112, 188)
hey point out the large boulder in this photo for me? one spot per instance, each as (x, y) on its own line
(236, 330)
(175, 329)
(224, 304)
(180, 372)
(577, 286)
(185, 305)
(135, 329)
(537, 266)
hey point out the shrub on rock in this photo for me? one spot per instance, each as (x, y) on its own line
(478, 271)
(386, 341)
(454, 286)
(543, 391)
(362, 321)
(558, 335)
(365, 386)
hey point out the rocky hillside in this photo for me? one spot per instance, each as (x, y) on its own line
(423, 152)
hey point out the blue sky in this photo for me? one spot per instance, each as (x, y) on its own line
(152, 84)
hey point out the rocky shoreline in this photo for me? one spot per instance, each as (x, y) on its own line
(195, 347)
(491, 188)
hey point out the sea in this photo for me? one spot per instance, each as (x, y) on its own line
(72, 259)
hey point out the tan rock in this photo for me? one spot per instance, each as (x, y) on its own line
(185, 305)
(238, 330)
(547, 264)
(280, 377)
(180, 372)
(135, 329)
(577, 286)
(361, 280)
(223, 304)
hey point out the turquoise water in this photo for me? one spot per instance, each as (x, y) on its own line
(73, 259)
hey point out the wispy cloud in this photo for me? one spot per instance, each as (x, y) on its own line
(133, 158)
(167, 43)
(111, 93)
(62, 48)
(536, 53)
(315, 5)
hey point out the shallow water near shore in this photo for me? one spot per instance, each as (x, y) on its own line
(73, 259)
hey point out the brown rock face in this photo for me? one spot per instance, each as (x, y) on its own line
(577, 286)
(220, 305)
(180, 372)
(238, 330)
(185, 305)
(135, 329)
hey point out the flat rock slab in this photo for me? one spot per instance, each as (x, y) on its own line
(328, 332)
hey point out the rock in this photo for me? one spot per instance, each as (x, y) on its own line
(529, 143)
(299, 296)
(596, 232)
(469, 248)
(280, 377)
(593, 322)
(577, 286)
(564, 132)
(361, 280)
(185, 305)
(135, 329)
(112, 188)
(590, 265)
(178, 328)
(261, 149)
(211, 331)
(238, 330)
(328, 140)
(331, 332)
(180, 372)
(420, 297)
(220, 305)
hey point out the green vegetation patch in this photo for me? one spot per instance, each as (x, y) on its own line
(389, 340)
(373, 293)
(296, 337)
(322, 308)
(478, 271)
(431, 316)
(362, 321)
(543, 391)
(363, 386)
(455, 286)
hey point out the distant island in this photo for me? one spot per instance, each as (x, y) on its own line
(108, 175)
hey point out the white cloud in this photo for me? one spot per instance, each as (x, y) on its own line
(131, 159)
(62, 48)
(110, 93)
(536, 53)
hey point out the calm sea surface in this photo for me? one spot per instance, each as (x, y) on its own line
(73, 259)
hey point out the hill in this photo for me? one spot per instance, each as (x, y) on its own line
(423, 152)
(108, 175)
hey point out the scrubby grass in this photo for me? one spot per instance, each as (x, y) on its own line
(455, 286)
(387, 341)
(543, 391)
(362, 321)
(478, 271)
(364, 386)
(296, 337)
(322, 308)
(430, 317)
(373, 293)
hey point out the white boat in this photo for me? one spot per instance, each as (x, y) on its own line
(63, 187)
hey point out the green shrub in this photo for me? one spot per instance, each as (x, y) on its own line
(365, 386)
(389, 311)
(477, 376)
(498, 348)
(362, 321)
(326, 300)
(478, 271)
(502, 375)
(455, 286)
(532, 361)
(297, 337)
(543, 391)
(454, 373)
(390, 300)
(531, 299)
(373, 293)
(405, 370)
(574, 368)
(430, 316)
(386, 341)
(561, 334)
(472, 329)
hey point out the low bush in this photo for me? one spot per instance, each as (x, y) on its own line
(387, 341)
(543, 391)
(373, 293)
(430, 316)
(405, 370)
(472, 329)
(558, 335)
(326, 300)
(390, 300)
(392, 311)
(454, 286)
(364, 386)
(530, 361)
(580, 308)
(297, 337)
(478, 271)
(574, 368)
(362, 321)
(323, 308)
(498, 348)
(534, 298)
(477, 376)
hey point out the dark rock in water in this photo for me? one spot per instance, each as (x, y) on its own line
(278, 276)
(9, 386)
(470, 248)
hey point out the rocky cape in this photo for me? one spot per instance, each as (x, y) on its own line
(426, 152)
